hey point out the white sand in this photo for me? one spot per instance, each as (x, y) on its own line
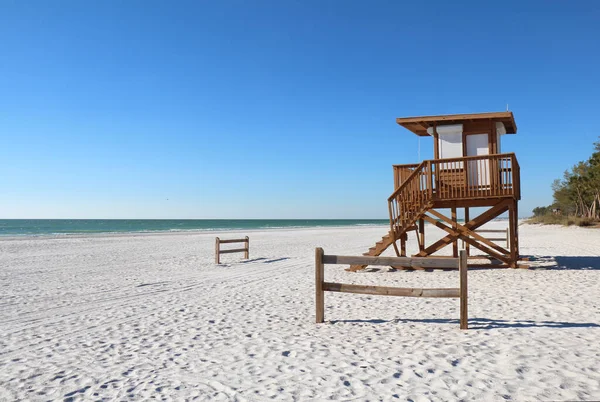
(139, 316)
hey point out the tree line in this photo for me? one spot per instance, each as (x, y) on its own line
(578, 192)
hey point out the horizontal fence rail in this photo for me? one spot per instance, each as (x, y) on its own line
(218, 251)
(321, 286)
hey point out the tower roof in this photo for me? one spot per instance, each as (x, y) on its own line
(420, 124)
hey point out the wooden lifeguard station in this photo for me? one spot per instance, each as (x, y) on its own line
(468, 170)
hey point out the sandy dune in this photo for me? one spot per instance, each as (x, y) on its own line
(139, 316)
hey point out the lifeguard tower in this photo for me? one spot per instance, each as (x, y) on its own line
(468, 170)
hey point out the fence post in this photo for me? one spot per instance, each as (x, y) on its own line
(462, 268)
(320, 294)
(217, 251)
(247, 244)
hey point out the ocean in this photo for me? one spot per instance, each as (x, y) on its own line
(39, 227)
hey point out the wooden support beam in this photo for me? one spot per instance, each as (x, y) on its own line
(516, 216)
(455, 242)
(467, 239)
(468, 232)
(512, 227)
(421, 234)
(403, 245)
(396, 248)
(467, 245)
(488, 215)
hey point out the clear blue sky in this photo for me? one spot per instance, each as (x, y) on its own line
(278, 109)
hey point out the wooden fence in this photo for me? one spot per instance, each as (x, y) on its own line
(218, 251)
(321, 286)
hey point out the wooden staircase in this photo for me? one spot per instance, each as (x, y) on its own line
(406, 205)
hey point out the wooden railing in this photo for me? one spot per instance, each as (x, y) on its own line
(470, 177)
(475, 177)
(405, 203)
(401, 173)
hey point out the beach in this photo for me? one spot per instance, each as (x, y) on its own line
(138, 316)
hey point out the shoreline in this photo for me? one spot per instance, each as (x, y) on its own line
(177, 232)
(81, 234)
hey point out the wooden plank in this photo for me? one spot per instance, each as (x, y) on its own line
(319, 278)
(390, 291)
(232, 241)
(236, 250)
(473, 202)
(391, 261)
(217, 253)
(462, 268)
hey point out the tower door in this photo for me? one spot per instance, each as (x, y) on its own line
(478, 170)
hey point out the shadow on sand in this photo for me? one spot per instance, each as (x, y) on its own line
(566, 262)
(482, 323)
(264, 260)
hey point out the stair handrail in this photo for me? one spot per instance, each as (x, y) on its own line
(394, 197)
(405, 182)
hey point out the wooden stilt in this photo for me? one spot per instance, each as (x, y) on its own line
(512, 227)
(421, 234)
(403, 245)
(455, 243)
(467, 246)
(516, 238)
